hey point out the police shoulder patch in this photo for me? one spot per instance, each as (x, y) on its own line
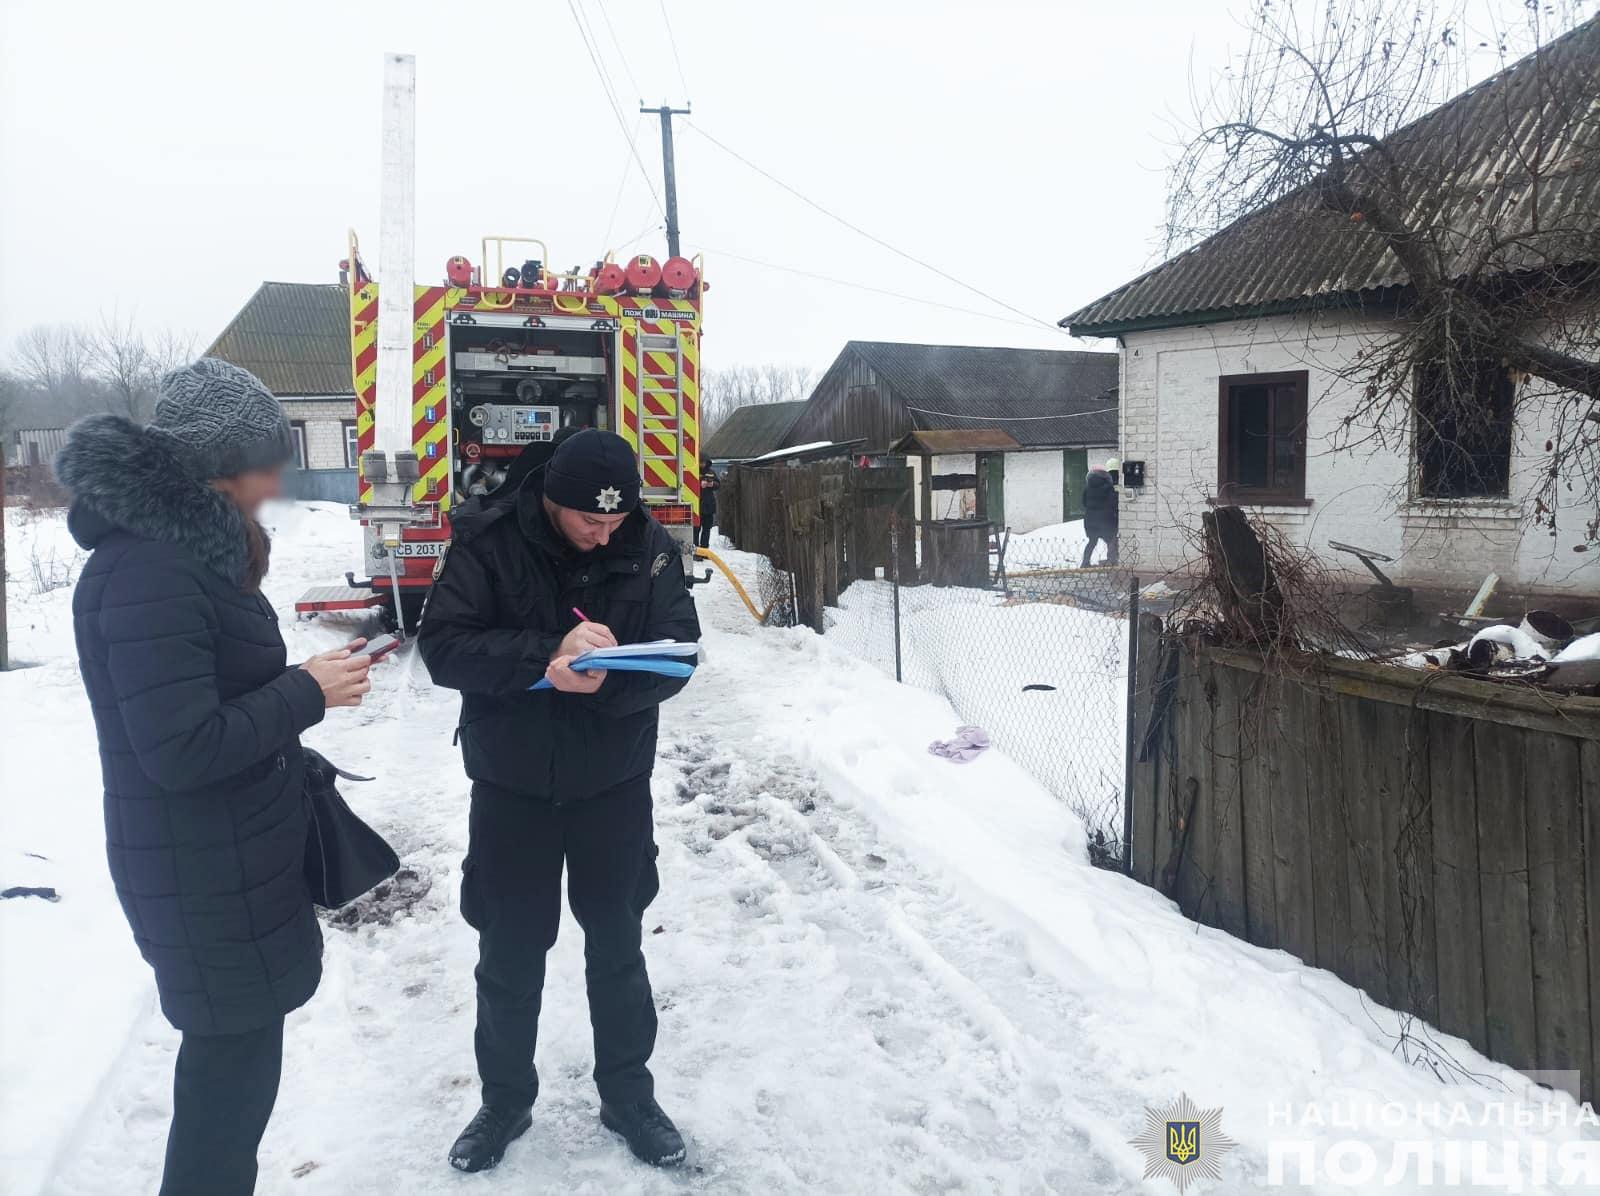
(659, 564)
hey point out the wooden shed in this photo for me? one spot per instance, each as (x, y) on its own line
(1055, 409)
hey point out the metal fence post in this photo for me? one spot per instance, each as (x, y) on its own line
(894, 576)
(1127, 760)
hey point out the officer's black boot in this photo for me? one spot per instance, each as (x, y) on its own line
(649, 1132)
(483, 1143)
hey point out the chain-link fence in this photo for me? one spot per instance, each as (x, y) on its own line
(1037, 656)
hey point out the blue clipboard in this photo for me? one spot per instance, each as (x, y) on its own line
(664, 666)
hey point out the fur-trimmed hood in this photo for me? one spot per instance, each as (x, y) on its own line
(134, 479)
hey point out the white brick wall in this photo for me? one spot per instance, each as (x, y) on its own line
(1358, 495)
(1033, 489)
(324, 424)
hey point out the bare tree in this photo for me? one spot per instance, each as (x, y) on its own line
(53, 357)
(129, 364)
(725, 390)
(1478, 225)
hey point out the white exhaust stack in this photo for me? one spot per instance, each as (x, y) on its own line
(390, 466)
(396, 255)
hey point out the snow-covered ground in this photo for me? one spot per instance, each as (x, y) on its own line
(877, 971)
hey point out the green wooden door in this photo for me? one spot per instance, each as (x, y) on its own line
(1074, 472)
(992, 485)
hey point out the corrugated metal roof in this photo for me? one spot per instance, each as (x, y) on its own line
(295, 337)
(752, 430)
(1465, 167)
(1040, 396)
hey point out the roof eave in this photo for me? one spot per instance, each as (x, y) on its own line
(1364, 301)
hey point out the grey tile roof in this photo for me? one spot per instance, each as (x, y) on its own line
(1467, 159)
(295, 337)
(752, 430)
(1042, 397)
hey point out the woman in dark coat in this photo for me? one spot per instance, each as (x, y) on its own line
(1100, 513)
(198, 717)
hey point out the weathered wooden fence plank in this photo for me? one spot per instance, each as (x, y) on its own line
(1457, 920)
(1411, 945)
(1330, 869)
(1141, 784)
(1291, 819)
(1361, 757)
(1589, 808)
(1557, 903)
(1502, 769)
(1193, 891)
(1258, 788)
(1226, 812)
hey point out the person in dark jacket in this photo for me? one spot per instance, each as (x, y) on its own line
(1100, 513)
(708, 503)
(561, 776)
(198, 717)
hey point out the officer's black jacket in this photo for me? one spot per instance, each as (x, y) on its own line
(502, 602)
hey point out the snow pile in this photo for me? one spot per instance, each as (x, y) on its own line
(1051, 547)
(1047, 681)
(876, 971)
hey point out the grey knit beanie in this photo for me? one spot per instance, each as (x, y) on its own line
(224, 419)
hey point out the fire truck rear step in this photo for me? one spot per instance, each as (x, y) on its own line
(330, 598)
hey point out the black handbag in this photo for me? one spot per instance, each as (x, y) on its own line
(344, 856)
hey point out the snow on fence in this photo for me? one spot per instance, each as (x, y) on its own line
(1434, 840)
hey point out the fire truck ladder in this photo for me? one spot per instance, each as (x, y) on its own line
(660, 415)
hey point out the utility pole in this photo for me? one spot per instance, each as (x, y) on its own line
(666, 113)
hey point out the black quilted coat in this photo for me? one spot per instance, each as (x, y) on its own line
(198, 716)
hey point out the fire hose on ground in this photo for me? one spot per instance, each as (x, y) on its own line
(760, 616)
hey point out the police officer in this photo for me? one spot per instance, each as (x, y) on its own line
(560, 776)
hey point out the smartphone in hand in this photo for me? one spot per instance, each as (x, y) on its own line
(378, 647)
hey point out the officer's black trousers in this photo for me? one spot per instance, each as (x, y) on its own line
(222, 1095)
(511, 894)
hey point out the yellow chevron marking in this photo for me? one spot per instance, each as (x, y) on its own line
(430, 317)
(439, 472)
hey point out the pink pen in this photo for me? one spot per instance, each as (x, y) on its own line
(582, 618)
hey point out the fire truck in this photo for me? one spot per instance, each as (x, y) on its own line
(504, 352)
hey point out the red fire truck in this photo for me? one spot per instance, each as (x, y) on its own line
(453, 387)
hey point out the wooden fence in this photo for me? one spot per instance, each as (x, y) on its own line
(1434, 840)
(826, 522)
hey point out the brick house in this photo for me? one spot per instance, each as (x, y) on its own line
(295, 337)
(1236, 364)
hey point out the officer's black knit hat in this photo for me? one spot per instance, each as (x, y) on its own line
(595, 472)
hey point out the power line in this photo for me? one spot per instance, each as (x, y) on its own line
(857, 229)
(861, 286)
(622, 183)
(604, 16)
(672, 39)
(586, 35)
(1011, 419)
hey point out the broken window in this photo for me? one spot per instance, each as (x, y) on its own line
(1261, 438)
(1463, 414)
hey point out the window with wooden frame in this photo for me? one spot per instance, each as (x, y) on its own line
(297, 436)
(352, 445)
(1261, 438)
(1464, 414)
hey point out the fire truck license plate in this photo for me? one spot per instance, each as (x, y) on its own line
(422, 548)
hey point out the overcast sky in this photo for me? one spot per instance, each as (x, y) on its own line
(162, 159)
